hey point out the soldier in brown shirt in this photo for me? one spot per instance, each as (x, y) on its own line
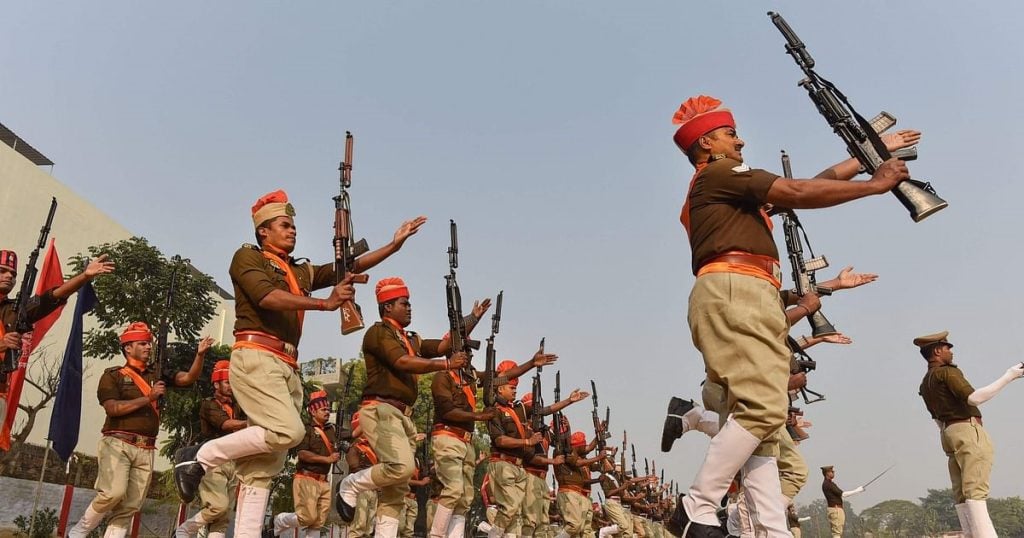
(272, 295)
(311, 486)
(218, 415)
(359, 457)
(394, 359)
(735, 311)
(574, 485)
(129, 396)
(953, 403)
(834, 496)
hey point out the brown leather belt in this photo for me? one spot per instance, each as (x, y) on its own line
(270, 342)
(574, 489)
(540, 473)
(141, 441)
(460, 433)
(949, 423)
(397, 404)
(508, 459)
(310, 474)
(760, 262)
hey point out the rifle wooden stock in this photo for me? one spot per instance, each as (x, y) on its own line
(345, 250)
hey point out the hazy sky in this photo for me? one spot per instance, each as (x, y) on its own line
(544, 129)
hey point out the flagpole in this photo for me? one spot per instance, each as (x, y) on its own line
(65, 503)
(39, 487)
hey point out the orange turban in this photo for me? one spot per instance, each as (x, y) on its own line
(505, 366)
(220, 371)
(578, 439)
(318, 400)
(271, 205)
(696, 117)
(136, 332)
(391, 288)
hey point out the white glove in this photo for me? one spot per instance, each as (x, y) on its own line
(853, 492)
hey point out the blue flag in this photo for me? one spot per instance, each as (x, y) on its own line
(67, 405)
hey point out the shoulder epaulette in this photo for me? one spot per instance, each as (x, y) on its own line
(251, 246)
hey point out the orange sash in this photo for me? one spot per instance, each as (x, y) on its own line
(289, 276)
(324, 438)
(364, 446)
(470, 395)
(143, 386)
(227, 409)
(511, 413)
(405, 340)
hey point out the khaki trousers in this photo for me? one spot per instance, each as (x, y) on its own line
(618, 516)
(508, 483)
(795, 531)
(218, 492)
(390, 434)
(970, 454)
(574, 508)
(122, 480)
(792, 467)
(737, 323)
(362, 525)
(536, 504)
(455, 463)
(270, 391)
(431, 509)
(312, 501)
(836, 520)
(638, 527)
(407, 519)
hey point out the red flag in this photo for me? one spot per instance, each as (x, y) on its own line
(49, 277)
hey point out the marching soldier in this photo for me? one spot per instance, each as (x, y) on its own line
(272, 294)
(394, 359)
(953, 404)
(359, 457)
(834, 496)
(218, 415)
(129, 395)
(420, 478)
(311, 486)
(573, 486)
(616, 493)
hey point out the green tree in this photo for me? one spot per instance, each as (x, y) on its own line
(1007, 515)
(896, 518)
(939, 503)
(137, 291)
(42, 523)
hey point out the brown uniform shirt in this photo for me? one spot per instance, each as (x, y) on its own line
(833, 494)
(212, 417)
(610, 483)
(572, 473)
(313, 443)
(114, 385)
(37, 308)
(254, 277)
(449, 396)
(504, 424)
(382, 346)
(945, 391)
(725, 211)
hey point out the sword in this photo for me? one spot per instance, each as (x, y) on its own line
(887, 469)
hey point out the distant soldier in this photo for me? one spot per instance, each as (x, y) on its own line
(953, 404)
(834, 496)
(311, 486)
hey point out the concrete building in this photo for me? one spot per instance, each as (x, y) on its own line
(25, 191)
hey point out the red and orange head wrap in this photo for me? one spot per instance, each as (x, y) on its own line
(271, 205)
(318, 400)
(9, 259)
(696, 117)
(220, 371)
(505, 366)
(136, 332)
(578, 439)
(391, 288)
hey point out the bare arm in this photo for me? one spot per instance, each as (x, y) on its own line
(99, 266)
(184, 379)
(308, 456)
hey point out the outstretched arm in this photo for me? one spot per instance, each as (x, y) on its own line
(985, 394)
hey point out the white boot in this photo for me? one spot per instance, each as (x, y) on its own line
(965, 519)
(728, 451)
(251, 504)
(562, 534)
(245, 442)
(285, 521)
(980, 523)
(763, 493)
(484, 527)
(190, 527)
(120, 532)
(215, 535)
(356, 483)
(495, 532)
(605, 531)
(312, 533)
(387, 527)
(708, 423)
(732, 522)
(456, 526)
(442, 522)
(90, 520)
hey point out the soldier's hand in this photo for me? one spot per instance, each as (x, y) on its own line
(12, 340)
(159, 388)
(810, 302)
(543, 359)
(578, 395)
(485, 415)
(848, 279)
(889, 174)
(99, 266)
(536, 438)
(480, 307)
(797, 381)
(204, 345)
(838, 338)
(458, 360)
(903, 138)
(343, 291)
(558, 460)
(408, 228)
(419, 437)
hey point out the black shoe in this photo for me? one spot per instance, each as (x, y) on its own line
(677, 407)
(188, 473)
(679, 521)
(346, 511)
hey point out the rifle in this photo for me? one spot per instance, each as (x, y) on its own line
(804, 269)
(536, 418)
(599, 431)
(632, 450)
(859, 135)
(346, 252)
(492, 356)
(165, 325)
(796, 433)
(801, 362)
(22, 324)
(341, 443)
(456, 323)
(622, 455)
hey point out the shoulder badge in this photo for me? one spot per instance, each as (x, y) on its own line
(250, 246)
(289, 210)
(741, 168)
